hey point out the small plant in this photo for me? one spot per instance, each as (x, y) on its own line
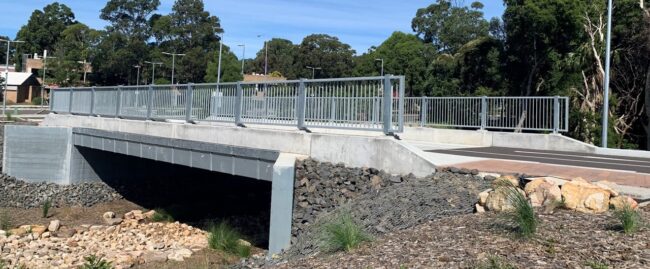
(162, 215)
(37, 101)
(45, 207)
(94, 262)
(596, 265)
(8, 116)
(495, 262)
(224, 238)
(523, 214)
(343, 234)
(5, 222)
(629, 218)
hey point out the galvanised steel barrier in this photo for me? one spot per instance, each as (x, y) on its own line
(493, 113)
(365, 103)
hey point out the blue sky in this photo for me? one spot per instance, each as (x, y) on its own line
(360, 23)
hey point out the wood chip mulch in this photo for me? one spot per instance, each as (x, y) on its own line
(564, 240)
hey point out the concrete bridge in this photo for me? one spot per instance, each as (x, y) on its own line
(257, 131)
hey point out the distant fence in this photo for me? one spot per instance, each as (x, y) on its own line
(365, 103)
(495, 113)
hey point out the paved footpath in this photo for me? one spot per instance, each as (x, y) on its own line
(628, 171)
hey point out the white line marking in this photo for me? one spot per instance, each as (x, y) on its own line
(545, 158)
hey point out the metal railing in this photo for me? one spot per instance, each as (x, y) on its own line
(489, 113)
(365, 103)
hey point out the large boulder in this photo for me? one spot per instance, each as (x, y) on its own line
(482, 197)
(584, 197)
(611, 187)
(514, 181)
(498, 200)
(543, 192)
(619, 202)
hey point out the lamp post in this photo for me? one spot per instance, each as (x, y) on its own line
(607, 66)
(382, 65)
(153, 70)
(313, 70)
(219, 64)
(243, 57)
(44, 72)
(4, 92)
(84, 67)
(173, 62)
(137, 76)
(266, 57)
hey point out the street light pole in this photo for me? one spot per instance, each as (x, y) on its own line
(266, 57)
(173, 62)
(382, 65)
(137, 82)
(219, 65)
(44, 72)
(4, 98)
(153, 70)
(607, 66)
(313, 70)
(243, 57)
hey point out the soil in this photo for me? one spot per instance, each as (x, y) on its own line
(564, 240)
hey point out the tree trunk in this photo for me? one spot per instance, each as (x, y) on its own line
(647, 107)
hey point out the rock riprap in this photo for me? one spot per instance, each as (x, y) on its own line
(133, 241)
(20, 194)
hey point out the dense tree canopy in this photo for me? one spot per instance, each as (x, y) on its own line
(44, 27)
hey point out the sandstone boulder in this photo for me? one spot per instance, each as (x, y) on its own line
(108, 215)
(619, 202)
(479, 208)
(149, 214)
(112, 221)
(482, 197)
(498, 199)
(134, 215)
(611, 187)
(54, 225)
(542, 192)
(509, 178)
(38, 230)
(585, 197)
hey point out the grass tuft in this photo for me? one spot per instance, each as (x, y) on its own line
(523, 214)
(343, 234)
(629, 218)
(94, 262)
(495, 262)
(596, 265)
(162, 215)
(5, 222)
(45, 207)
(225, 238)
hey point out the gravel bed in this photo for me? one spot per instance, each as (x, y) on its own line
(20, 194)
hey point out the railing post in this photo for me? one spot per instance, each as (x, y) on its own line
(70, 101)
(333, 109)
(188, 102)
(387, 112)
(150, 102)
(51, 99)
(301, 105)
(423, 114)
(484, 105)
(556, 114)
(239, 101)
(118, 108)
(92, 101)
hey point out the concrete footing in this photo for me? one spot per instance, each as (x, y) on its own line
(282, 203)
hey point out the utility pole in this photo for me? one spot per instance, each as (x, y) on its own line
(219, 65)
(266, 57)
(153, 71)
(607, 66)
(173, 62)
(382, 65)
(4, 98)
(137, 82)
(243, 57)
(313, 70)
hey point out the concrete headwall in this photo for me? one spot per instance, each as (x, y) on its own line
(354, 150)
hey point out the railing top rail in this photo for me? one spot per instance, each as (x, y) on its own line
(377, 78)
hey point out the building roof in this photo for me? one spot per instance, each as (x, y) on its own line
(260, 77)
(18, 78)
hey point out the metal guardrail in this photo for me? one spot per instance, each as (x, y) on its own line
(489, 113)
(365, 103)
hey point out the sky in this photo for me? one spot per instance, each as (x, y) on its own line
(360, 23)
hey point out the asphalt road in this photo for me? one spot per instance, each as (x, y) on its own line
(633, 164)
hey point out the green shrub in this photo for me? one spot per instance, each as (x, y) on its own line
(225, 238)
(596, 265)
(342, 233)
(523, 214)
(629, 218)
(162, 215)
(45, 207)
(8, 116)
(37, 101)
(495, 262)
(5, 222)
(94, 262)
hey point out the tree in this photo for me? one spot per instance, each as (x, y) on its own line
(74, 47)
(130, 17)
(449, 27)
(282, 57)
(230, 67)
(403, 54)
(327, 52)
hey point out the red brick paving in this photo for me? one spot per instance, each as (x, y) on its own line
(568, 172)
